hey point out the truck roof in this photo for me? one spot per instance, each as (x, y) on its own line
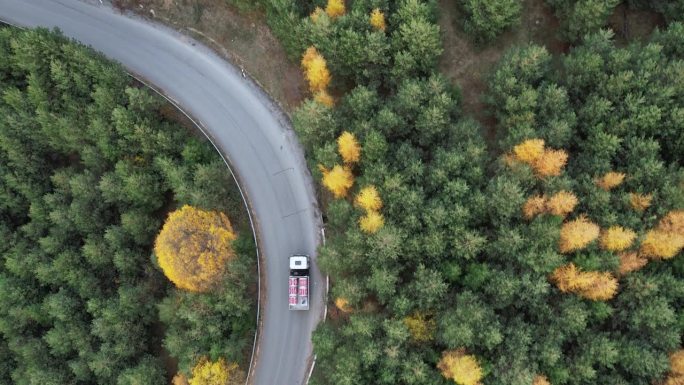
(299, 262)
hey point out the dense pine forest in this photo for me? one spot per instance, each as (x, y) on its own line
(90, 165)
(548, 254)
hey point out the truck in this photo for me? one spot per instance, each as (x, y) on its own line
(299, 282)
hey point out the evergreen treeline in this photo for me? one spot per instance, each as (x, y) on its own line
(552, 257)
(90, 164)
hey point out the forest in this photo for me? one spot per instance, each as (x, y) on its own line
(91, 165)
(547, 254)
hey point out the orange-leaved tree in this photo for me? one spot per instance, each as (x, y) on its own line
(460, 367)
(561, 203)
(220, 372)
(368, 199)
(335, 8)
(630, 261)
(540, 380)
(377, 19)
(617, 238)
(179, 379)
(348, 148)
(577, 234)
(194, 246)
(421, 326)
(610, 180)
(550, 163)
(338, 180)
(534, 206)
(676, 375)
(315, 70)
(371, 222)
(672, 222)
(593, 285)
(640, 202)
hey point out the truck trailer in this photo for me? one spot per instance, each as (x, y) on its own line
(299, 282)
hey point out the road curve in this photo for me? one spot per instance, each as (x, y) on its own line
(248, 130)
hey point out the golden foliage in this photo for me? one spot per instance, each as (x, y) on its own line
(421, 327)
(617, 238)
(349, 148)
(460, 367)
(315, 70)
(673, 222)
(343, 304)
(593, 285)
(316, 14)
(610, 180)
(206, 372)
(540, 380)
(335, 8)
(561, 203)
(640, 202)
(529, 151)
(630, 261)
(194, 246)
(180, 379)
(308, 56)
(577, 234)
(377, 19)
(550, 163)
(677, 362)
(371, 222)
(338, 180)
(661, 244)
(324, 98)
(534, 206)
(369, 199)
(675, 380)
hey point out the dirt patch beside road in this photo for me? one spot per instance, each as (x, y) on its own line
(242, 37)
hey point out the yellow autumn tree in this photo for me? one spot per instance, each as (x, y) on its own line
(194, 246)
(640, 202)
(630, 261)
(315, 70)
(534, 206)
(561, 203)
(421, 326)
(338, 180)
(661, 244)
(348, 148)
(593, 285)
(540, 380)
(617, 238)
(577, 234)
(610, 180)
(529, 150)
(343, 304)
(335, 8)
(316, 14)
(371, 222)
(324, 98)
(220, 372)
(550, 163)
(462, 368)
(377, 19)
(369, 199)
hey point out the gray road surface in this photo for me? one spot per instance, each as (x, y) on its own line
(247, 129)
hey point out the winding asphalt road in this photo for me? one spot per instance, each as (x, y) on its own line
(252, 135)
